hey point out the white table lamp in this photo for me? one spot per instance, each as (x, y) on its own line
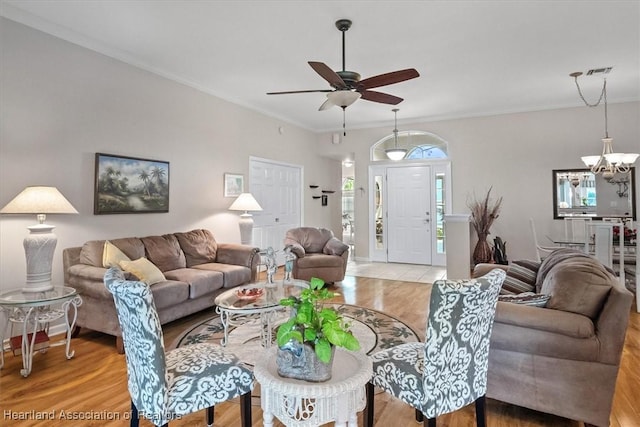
(40, 244)
(245, 202)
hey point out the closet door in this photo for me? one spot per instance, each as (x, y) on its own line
(277, 188)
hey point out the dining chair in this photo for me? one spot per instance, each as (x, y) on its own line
(603, 241)
(541, 251)
(449, 370)
(167, 385)
(576, 229)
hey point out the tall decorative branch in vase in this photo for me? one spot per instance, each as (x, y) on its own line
(483, 213)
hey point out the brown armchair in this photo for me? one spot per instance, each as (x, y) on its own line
(318, 254)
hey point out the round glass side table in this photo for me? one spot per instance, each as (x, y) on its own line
(36, 310)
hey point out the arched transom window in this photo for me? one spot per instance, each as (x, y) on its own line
(418, 145)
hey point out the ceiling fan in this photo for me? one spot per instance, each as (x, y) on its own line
(347, 86)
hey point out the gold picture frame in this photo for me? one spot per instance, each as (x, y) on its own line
(125, 185)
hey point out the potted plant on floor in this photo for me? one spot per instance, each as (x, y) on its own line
(306, 342)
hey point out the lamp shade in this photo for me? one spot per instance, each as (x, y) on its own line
(396, 153)
(40, 244)
(590, 161)
(245, 202)
(39, 200)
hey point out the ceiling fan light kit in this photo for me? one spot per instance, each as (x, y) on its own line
(343, 98)
(346, 85)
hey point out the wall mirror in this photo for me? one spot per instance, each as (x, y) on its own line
(579, 192)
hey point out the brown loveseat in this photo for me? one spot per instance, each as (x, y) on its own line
(562, 359)
(318, 254)
(195, 268)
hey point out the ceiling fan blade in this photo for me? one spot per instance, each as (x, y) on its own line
(326, 105)
(298, 91)
(328, 74)
(388, 78)
(383, 98)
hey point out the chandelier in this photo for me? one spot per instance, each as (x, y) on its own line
(395, 153)
(609, 162)
(574, 178)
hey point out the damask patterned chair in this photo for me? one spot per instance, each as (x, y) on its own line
(165, 386)
(449, 370)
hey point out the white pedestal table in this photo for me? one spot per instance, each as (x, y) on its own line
(305, 404)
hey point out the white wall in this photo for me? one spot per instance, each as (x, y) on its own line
(513, 153)
(60, 104)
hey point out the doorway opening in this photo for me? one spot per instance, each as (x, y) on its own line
(348, 209)
(408, 200)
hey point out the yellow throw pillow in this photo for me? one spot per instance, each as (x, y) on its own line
(144, 270)
(111, 255)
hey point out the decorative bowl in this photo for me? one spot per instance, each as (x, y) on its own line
(249, 294)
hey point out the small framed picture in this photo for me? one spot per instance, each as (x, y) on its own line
(233, 184)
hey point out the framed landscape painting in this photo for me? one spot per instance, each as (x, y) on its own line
(130, 185)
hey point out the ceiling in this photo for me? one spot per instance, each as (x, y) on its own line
(475, 57)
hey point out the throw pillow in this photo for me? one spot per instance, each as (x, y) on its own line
(334, 247)
(527, 298)
(521, 277)
(534, 266)
(555, 257)
(144, 270)
(111, 255)
(199, 246)
(164, 252)
(579, 285)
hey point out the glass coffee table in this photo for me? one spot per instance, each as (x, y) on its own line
(237, 311)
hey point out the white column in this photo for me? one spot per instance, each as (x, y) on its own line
(457, 231)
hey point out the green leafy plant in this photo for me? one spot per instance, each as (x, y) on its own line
(315, 324)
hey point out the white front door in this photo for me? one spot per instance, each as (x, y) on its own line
(277, 188)
(409, 214)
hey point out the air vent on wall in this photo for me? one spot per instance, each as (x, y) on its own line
(598, 71)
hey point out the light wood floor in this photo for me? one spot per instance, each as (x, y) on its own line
(94, 382)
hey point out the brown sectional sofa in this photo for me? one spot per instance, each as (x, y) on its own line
(195, 266)
(562, 359)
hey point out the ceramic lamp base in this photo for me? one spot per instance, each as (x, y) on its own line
(39, 247)
(246, 228)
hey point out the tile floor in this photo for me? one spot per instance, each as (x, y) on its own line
(391, 271)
